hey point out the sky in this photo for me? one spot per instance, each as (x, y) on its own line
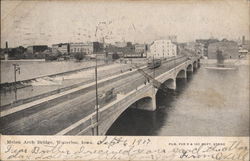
(48, 22)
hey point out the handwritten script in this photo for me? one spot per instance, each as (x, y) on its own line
(121, 148)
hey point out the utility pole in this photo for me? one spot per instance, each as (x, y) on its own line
(16, 69)
(97, 103)
(96, 76)
(96, 90)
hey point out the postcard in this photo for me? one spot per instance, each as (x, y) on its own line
(125, 80)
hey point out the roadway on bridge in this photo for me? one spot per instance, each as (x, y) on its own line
(63, 113)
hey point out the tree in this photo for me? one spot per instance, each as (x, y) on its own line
(79, 56)
(52, 56)
(17, 53)
(115, 56)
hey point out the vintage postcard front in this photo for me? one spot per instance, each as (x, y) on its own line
(125, 80)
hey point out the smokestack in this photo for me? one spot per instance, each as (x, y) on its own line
(6, 44)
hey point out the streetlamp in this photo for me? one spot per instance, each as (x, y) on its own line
(16, 69)
(96, 90)
(96, 85)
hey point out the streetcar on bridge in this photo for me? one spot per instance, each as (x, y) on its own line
(155, 63)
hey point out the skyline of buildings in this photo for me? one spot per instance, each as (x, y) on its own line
(123, 43)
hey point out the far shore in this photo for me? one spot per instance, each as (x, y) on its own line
(23, 60)
(228, 61)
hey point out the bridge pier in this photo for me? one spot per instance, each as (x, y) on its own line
(190, 69)
(171, 84)
(195, 66)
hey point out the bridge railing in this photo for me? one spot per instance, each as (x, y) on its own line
(87, 124)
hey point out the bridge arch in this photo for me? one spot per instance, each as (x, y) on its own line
(170, 83)
(190, 68)
(146, 102)
(181, 74)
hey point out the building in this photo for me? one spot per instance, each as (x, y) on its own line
(37, 48)
(140, 48)
(162, 49)
(206, 43)
(87, 48)
(229, 49)
(191, 46)
(246, 45)
(62, 48)
(200, 49)
(196, 47)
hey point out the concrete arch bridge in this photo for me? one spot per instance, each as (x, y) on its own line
(144, 96)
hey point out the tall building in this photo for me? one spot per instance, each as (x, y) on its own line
(162, 49)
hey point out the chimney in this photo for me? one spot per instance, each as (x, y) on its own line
(243, 40)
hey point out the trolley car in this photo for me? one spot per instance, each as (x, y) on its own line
(154, 63)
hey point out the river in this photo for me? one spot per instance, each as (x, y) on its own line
(208, 103)
(30, 69)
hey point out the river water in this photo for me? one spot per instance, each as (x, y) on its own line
(208, 103)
